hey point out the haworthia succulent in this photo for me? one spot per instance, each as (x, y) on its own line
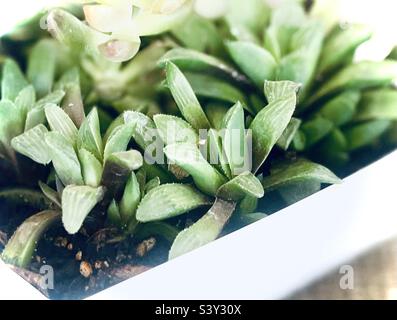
(32, 144)
(185, 98)
(60, 122)
(204, 231)
(89, 136)
(189, 158)
(20, 249)
(246, 184)
(77, 203)
(168, 201)
(296, 172)
(13, 80)
(255, 61)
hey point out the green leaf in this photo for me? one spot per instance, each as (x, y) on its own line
(192, 60)
(64, 159)
(130, 200)
(246, 184)
(113, 215)
(215, 153)
(315, 130)
(32, 144)
(131, 159)
(26, 99)
(54, 97)
(42, 66)
(152, 184)
(118, 140)
(234, 140)
(297, 172)
(216, 112)
(162, 229)
(60, 122)
(185, 98)
(341, 45)
(366, 133)
(341, 109)
(289, 133)
(169, 200)
(378, 105)
(250, 218)
(362, 75)
(295, 193)
(20, 249)
(77, 203)
(173, 130)
(189, 158)
(13, 80)
(210, 87)
(72, 104)
(91, 168)
(255, 61)
(268, 126)
(50, 194)
(89, 136)
(11, 122)
(278, 90)
(204, 231)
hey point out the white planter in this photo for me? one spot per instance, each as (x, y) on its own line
(271, 258)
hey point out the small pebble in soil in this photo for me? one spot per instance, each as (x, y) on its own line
(85, 269)
(79, 256)
(145, 247)
(70, 246)
(98, 264)
(61, 242)
(38, 259)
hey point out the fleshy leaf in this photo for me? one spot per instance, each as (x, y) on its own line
(315, 130)
(255, 61)
(278, 90)
(64, 159)
(89, 136)
(20, 249)
(246, 184)
(169, 200)
(50, 193)
(11, 122)
(42, 66)
(32, 144)
(26, 99)
(189, 158)
(77, 203)
(173, 130)
(342, 45)
(185, 98)
(118, 140)
(130, 200)
(268, 126)
(216, 154)
(297, 172)
(91, 168)
(204, 231)
(378, 105)
(60, 122)
(289, 133)
(13, 80)
(234, 140)
(364, 134)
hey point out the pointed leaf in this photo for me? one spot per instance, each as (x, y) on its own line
(289, 133)
(13, 80)
(91, 168)
(20, 249)
(11, 122)
(130, 200)
(315, 130)
(192, 60)
(169, 200)
(50, 193)
(255, 61)
(89, 136)
(268, 126)
(64, 159)
(42, 66)
(204, 231)
(118, 140)
(216, 154)
(60, 122)
(185, 98)
(189, 158)
(377, 105)
(278, 90)
(173, 130)
(246, 184)
(296, 172)
(77, 203)
(26, 99)
(32, 144)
